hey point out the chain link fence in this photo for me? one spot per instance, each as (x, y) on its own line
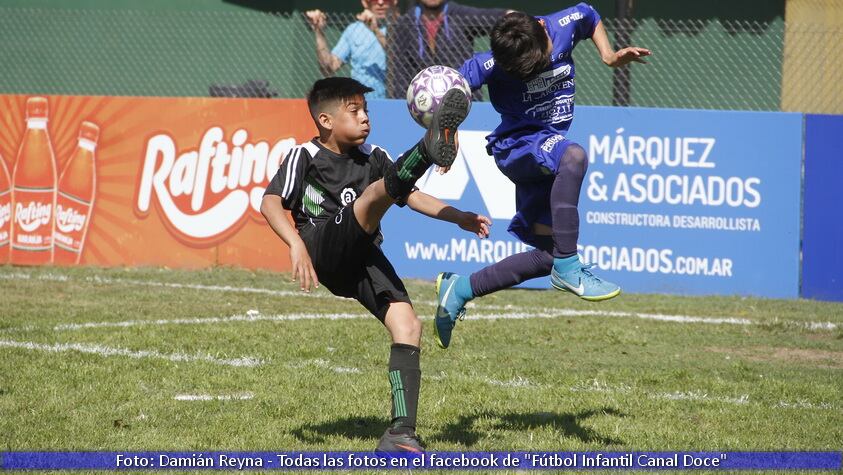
(695, 64)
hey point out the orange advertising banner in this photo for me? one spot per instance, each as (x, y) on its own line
(142, 181)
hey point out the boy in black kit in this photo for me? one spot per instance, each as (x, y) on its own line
(338, 189)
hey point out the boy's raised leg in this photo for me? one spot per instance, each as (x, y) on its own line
(438, 147)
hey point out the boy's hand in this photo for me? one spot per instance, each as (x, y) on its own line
(628, 55)
(303, 270)
(475, 223)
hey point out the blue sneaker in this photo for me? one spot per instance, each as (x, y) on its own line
(570, 275)
(450, 308)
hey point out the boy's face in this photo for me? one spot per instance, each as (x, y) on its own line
(349, 121)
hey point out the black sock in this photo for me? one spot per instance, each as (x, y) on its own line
(405, 379)
(401, 177)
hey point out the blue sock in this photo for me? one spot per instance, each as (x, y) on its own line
(463, 288)
(565, 264)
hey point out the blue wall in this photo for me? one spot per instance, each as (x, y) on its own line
(822, 276)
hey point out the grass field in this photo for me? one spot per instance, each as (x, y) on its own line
(119, 359)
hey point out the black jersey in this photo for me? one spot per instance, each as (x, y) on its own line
(314, 182)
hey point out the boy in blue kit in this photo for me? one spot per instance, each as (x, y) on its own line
(530, 74)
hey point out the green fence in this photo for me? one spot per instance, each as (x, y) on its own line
(696, 64)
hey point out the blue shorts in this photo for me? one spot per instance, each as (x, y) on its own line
(530, 160)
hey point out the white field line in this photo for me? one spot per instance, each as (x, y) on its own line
(516, 382)
(325, 364)
(596, 386)
(514, 312)
(700, 396)
(174, 285)
(689, 395)
(110, 351)
(255, 316)
(803, 404)
(250, 316)
(208, 397)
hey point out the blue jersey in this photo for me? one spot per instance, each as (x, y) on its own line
(546, 102)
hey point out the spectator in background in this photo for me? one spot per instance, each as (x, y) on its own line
(362, 44)
(435, 32)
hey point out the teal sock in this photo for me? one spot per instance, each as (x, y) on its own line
(463, 288)
(565, 264)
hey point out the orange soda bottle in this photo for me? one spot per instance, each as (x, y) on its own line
(5, 211)
(34, 190)
(75, 199)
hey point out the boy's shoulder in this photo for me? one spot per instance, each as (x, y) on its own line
(308, 149)
(572, 14)
(372, 150)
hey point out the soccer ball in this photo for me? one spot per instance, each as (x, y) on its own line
(428, 87)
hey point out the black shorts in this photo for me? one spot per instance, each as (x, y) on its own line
(350, 263)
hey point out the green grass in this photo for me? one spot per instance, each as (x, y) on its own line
(561, 383)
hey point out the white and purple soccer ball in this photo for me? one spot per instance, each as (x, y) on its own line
(427, 88)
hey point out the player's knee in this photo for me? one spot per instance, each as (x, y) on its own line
(575, 158)
(544, 261)
(403, 324)
(408, 331)
(415, 327)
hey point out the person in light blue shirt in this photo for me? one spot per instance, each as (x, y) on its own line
(361, 45)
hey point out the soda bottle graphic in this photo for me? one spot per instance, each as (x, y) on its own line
(5, 211)
(75, 199)
(34, 190)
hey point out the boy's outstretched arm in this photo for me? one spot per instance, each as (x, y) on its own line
(614, 58)
(274, 213)
(435, 208)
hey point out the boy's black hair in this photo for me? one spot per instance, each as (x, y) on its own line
(519, 45)
(330, 90)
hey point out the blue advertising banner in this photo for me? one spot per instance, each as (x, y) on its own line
(675, 201)
(822, 245)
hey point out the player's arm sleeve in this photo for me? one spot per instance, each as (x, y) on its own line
(588, 22)
(342, 49)
(287, 183)
(475, 70)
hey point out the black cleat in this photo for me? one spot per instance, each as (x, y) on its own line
(399, 443)
(440, 140)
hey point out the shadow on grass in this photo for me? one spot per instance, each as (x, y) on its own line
(464, 430)
(348, 427)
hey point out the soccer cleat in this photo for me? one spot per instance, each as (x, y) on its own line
(399, 442)
(449, 308)
(440, 141)
(571, 275)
